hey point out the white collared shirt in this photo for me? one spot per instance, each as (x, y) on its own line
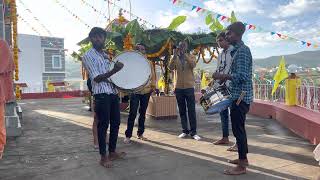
(96, 64)
(224, 62)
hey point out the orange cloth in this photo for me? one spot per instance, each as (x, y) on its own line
(2, 129)
(6, 73)
(6, 87)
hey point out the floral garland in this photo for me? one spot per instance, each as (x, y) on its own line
(13, 17)
(127, 42)
(163, 48)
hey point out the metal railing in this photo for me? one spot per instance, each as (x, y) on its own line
(307, 94)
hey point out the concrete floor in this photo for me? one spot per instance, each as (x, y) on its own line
(57, 144)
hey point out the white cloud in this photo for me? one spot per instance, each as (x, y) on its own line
(239, 6)
(193, 23)
(296, 7)
(280, 24)
(261, 39)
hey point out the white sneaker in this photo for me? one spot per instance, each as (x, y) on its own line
(183, 135)
(196, 137)
(126, 140)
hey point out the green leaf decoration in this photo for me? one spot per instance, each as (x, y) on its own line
(209, 19)
(233, 17)
(176, 22)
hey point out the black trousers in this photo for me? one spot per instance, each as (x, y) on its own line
(137, 100)
(238, 118)
(108, 111)
(186, 99)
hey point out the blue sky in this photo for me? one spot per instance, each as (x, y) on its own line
(296, 18)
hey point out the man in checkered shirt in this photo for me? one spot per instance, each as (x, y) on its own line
(241, 93)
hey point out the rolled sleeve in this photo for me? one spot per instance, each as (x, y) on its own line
(89, 66)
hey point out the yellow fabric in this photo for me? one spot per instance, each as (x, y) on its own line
(291, 91)
(161, 83)
(280, 75)
(204, 81)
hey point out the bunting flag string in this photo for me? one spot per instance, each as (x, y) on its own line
(133, 15)
(221, 17)
(37, 32)
(35, 18)
(29, 25)
(71, 13)
(95, 10)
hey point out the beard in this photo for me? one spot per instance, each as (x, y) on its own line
(98, 46)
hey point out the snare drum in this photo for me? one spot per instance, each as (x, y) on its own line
(134, 75)
(216, 99)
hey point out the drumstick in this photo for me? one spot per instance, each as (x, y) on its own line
(240, 98)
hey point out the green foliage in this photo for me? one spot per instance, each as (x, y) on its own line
(233, 17)
(215, 25)
(176, 22)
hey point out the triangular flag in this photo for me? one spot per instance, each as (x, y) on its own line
(272, 33)
(174, 1)
(308, 44)
(280, 75)
(223, 17)
(303, 43)
(198, 9)
(250, 26)
(245, 24)
(315, 46)
(218, 15)
(193, 7)
(279, 35)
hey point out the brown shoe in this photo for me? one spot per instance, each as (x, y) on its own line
(222, 141)
(239, 162)
(235, 171)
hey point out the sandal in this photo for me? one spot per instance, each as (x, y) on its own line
(233, 148)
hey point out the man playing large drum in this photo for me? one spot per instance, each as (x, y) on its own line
(106, 96)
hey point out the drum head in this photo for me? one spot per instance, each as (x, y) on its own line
(135, 72)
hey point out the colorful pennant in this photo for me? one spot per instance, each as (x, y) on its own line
(249, 26)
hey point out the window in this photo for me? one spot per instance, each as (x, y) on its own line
(56, 62)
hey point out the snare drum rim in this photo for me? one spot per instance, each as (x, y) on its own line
(139, 88)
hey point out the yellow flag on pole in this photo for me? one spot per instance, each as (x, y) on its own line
(280, 75)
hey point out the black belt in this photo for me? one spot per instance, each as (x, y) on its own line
(103, 95)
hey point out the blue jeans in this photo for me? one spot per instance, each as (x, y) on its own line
(224, 115)
(186, 104)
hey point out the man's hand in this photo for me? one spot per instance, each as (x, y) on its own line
(222, 77)
(99, 78)
(118, 66)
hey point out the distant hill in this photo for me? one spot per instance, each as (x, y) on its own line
(304, 59)
(73, 69)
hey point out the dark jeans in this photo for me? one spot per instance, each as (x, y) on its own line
(224, 115)
(108, 111)
(186, 99)
(135, 100)
(238, 118)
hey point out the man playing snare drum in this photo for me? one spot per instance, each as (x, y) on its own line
(223, 67)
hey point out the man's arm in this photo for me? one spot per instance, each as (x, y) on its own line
(243, 63)
(104, 77)
(191, 60)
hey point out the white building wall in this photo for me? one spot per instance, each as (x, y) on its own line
(30, 62)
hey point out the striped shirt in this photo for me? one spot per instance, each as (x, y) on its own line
(241, 73)
(224, 63)
(97, 63)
